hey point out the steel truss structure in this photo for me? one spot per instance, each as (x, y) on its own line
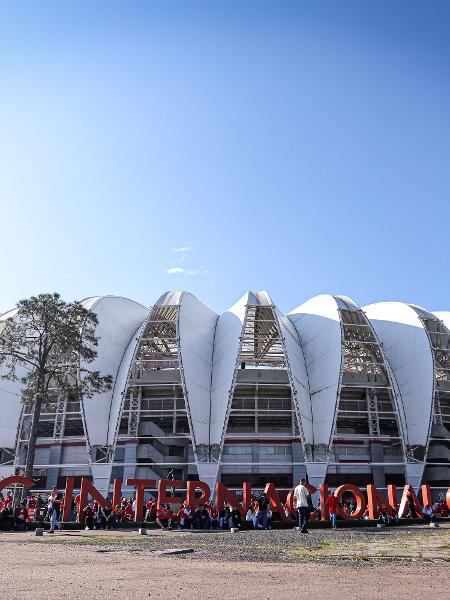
(367, 406)
(259, 399)
(438, 446)
(155, 399)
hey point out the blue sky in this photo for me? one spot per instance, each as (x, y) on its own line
(298, 147)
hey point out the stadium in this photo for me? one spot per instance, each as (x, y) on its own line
(331, 391)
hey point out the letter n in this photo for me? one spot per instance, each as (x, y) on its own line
(86, 490)
(223, 494)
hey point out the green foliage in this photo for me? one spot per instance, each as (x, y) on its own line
(47, 345)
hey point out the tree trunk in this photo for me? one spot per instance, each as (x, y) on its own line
(33, 438)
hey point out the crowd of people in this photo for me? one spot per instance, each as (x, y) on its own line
(260, 514)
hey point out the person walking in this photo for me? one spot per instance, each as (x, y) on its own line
(54, 509)
(332, 504)
(303, 498)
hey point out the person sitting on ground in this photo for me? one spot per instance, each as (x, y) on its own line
(428, 514)
(235, 518)
(164, 516)
(186, 516)
(214, 515)
(255, 513)
(394, 516)
(250, 516)
(224, 516)
(150, 513)
(118, 515)
(202, 519)
(436, 507)
(107, 516)
(20, 516)
(444, 509)
(128, 512)
(89, 516)
(383, 516)
(98, 516)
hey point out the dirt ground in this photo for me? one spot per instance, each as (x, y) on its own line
(103, 565)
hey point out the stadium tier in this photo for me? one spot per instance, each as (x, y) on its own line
(333, 391)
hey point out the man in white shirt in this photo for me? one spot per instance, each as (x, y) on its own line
(303, 498)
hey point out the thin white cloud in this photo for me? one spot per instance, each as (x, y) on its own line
(182, 258)
(175, 271)
(190, 272)
(182, 249)
(182, 253)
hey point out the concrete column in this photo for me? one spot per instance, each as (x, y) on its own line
(298, 471)
(378, 472)
(129, 471)
(54, 458)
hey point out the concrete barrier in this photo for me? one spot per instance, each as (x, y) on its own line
(174, 551)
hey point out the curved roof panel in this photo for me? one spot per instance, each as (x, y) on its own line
(226, 352)
(118, 320)
(405, 343)
(196, 330)
(317, 323)
(443, 316)
(298, 376)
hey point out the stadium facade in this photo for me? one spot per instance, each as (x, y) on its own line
(339, 393)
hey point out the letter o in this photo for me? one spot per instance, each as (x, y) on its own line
(361, 503)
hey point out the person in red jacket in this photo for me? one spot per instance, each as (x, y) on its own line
(128, 512)
(214, 514)
(7, 502)
(332, 505)
(164, 516)
(31, 502)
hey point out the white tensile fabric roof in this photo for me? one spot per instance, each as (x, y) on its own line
(209, 346)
